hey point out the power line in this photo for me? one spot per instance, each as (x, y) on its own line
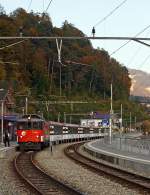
(77, 63)
(134, 38)
(116, 8)
(7, 46)
(48, 5)
(2, 62)
(145, 60)
(29, 5)
(136, 52)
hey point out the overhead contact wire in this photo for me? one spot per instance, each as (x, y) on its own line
(7, 46)
(130, 40)
(116, 8)
(48, 5)
(29, 5)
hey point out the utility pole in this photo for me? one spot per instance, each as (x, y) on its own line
(64, 117)
(21, 31)
(70, 119)
(48, 69)
(135, 122)
(26, 105)
(60, 80)
(59, 46)
(121, 120)
(111, 112)
(130, 121)
(2, 120)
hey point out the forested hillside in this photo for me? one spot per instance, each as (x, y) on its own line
(33, 64)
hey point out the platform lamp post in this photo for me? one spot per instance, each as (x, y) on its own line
(58, 118)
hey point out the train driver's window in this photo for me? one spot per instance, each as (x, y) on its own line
(29, 125)
(20, 126)
(35, 125)
(41, 125)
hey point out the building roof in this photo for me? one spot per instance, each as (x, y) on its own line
(12, 118)
(101, 116)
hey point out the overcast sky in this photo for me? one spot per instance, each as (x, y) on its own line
(131, 18)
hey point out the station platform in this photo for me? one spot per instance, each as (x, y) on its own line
(4, 151)
(117, 153)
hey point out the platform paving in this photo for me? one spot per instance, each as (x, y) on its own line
(130, 159)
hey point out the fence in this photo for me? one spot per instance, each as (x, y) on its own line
(135, 145)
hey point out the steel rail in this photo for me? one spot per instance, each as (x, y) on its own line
(119, 174)
(37, 178)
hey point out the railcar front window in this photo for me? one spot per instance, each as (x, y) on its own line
(22, 126)
(37, 125)
(30, 125)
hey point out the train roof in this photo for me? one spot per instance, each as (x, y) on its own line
(31, 117)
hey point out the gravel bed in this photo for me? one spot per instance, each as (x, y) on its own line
(10, 184)
(62, 168)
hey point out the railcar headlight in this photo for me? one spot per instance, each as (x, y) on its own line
(23, 133)
(42, 138)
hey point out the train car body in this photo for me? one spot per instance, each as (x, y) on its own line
(32, 132)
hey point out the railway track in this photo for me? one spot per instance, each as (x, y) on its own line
(122, 176)
(37, 180)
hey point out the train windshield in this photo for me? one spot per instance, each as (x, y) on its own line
(29, 125)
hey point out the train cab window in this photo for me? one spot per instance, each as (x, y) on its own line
(29, 125)
(37, 125)
(22, 126)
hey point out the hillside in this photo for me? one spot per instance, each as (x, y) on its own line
(84, 74)
(33, 66)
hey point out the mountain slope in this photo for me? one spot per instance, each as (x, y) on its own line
(140, 83)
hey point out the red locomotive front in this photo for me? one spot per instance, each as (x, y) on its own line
(32, 132)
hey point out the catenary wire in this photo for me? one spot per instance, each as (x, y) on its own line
(136, 52)
(29, 5)
(116, 8)
(48, 5)
(2, 62)
(115, 51)
(145, 60)
(7, 46)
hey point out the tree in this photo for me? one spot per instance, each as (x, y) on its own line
(2, 11)
(146, 127)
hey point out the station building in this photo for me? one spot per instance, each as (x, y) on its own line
(7, 114)
(101, 121)
(96, 120)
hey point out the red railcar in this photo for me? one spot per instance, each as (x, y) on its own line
(32, 132)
